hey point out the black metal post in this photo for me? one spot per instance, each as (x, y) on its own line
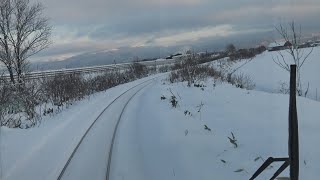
(293, 127)
(293, 142)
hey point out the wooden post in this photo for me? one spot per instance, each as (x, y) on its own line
(293, 127)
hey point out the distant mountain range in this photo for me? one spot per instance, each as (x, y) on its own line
(105, 57)
(129, 54)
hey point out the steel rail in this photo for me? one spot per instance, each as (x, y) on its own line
(94, 122)
(115, 132)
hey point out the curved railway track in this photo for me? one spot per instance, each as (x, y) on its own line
(115, 132)
(64, 169)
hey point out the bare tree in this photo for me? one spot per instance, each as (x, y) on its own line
(23, 33)
(230, 48)
(292, 34)
(6, 49)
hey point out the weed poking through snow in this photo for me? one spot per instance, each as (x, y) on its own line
(199, 85)
(186, 112)
(173, 101)
(186, 132)
(233, 140)
(257, 158)
(199, 109)
(207, 128)
(241, 170)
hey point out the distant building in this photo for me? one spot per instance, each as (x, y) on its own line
(315, 44)
(174, 56)
(169, 57)
(305, 45)
(215, 55)
(277, 46)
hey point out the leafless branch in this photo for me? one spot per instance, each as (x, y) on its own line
(292, 34)
(24, 32)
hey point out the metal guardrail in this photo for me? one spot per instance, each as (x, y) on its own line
(91, 69)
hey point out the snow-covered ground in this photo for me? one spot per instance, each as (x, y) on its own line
(268, 76)
(156, 141)
(40, 153)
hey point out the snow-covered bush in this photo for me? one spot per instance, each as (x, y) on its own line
(5, 95)
(18, 102)
(152, 69)
(164, 68)
(21, 104)
(242, 81)
(246, 53)
(138, 70)
(177, 66)
(192, 72)
(284, 88)
(173, 101)
(65, 88)
(29, 96)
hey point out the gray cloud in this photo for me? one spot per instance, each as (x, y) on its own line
(99, 24)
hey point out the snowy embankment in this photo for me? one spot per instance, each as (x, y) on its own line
(40, 153)
(157, 141)
(268, 76)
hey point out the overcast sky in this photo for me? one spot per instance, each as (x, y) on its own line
(92, 25)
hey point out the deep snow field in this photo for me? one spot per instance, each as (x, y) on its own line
(156, 141)
(172, 145)
(268, 76)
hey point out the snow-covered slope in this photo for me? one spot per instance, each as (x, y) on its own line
(157, 141)
(268, 75)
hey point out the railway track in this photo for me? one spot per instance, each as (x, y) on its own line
(136, 89)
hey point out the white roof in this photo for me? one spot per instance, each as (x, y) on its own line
(277, 44)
